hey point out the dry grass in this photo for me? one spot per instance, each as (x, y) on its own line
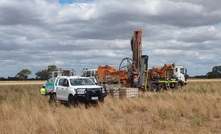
(22, 82)
(194, 109)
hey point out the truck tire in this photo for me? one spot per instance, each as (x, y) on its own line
(160, 87)
(180, 85)
(153, 87)
(72, 101)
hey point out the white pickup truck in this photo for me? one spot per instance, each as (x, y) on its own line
(72, 89)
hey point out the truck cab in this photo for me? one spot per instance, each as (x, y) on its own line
(181, 73)
(88, 72)
(91, 73)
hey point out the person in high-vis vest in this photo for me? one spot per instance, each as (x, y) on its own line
(42, 90)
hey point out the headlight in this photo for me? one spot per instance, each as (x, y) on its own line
(80, 91)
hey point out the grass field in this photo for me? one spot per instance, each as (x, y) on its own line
(22, 82)
(196, 108)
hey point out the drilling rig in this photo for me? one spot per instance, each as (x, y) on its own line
(136, 67)
(133, 72)
(156, 79)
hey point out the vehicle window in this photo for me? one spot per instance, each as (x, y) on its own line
(81, 81)
(55, 74)
(92, 79)
(61, 82)
(182, 70)
(56, 82)
(88, 73)
(66, 83)
(169, 73)
(49, 75)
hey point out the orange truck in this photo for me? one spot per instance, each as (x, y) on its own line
(157, 78)
(162, 77)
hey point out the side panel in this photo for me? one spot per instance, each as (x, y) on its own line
(176, 71)
(65, 93)
(66, 90)
(59, 89)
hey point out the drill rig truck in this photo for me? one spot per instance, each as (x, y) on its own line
(135, 73)
(157, 78)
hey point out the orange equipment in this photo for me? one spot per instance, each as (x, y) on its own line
(136, 47)
(163, 72)
(162, 77)
(108, 74)
(140, 62)
(136, 68)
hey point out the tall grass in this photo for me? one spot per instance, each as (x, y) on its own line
(196, 108)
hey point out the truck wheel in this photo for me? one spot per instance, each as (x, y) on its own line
(160, 87)
(180, 85)
(72, 101)
(154, 87)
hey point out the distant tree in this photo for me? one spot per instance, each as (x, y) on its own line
(23, 74)
(12, 78)
(199, 76)
(43, 74)
(215, 73)
(52, 68)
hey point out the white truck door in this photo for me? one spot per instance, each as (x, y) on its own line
(59, 88)
(179, 73)
(65, 90)
(176, 71)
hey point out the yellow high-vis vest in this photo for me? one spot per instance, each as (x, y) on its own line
(42, 90)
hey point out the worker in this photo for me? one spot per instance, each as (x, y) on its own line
(52, 97)
(42, 90)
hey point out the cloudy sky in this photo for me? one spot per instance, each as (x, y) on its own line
(87, 33)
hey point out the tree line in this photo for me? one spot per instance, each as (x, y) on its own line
(214, 73)
(43, 74)
(40, 75)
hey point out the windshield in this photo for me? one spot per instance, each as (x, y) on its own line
(49, 75)
(81, 81)
(182, 70)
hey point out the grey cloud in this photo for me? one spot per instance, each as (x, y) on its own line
(19, 12)
(177, 13)
(35, 34)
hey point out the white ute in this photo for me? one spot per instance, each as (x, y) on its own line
(72, 89)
